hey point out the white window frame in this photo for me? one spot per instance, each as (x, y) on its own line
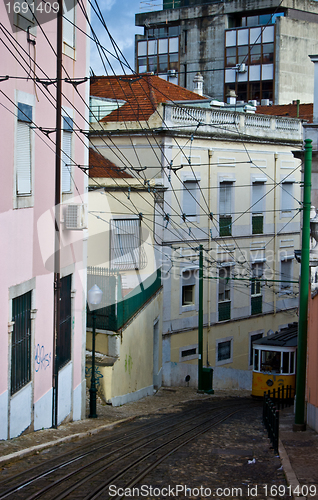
(189, 178)
(24, 200)
(250, 347)
(118, 262)
(191, 281)
(69, 31)
(289, 196)
(223, 361)
(288, 288)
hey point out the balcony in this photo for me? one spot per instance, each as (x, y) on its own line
(228, 123)
(116, 313)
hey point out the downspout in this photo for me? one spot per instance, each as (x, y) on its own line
(275, 228)
(210, 152)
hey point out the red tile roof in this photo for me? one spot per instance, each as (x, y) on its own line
(143, 93)
(305, 110)
(101, 167)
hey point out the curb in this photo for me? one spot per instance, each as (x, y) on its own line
(289, 471)
(72, 437)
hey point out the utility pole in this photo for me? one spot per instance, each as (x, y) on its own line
(200, 319)
(57, 263)
(300, 424)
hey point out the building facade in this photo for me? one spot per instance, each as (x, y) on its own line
(254, 49)
(230, 183)
(28, 398)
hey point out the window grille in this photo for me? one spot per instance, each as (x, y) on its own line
(126, 250)
(65, 332)
(21, 342)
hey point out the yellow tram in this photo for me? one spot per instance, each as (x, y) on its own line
(274, 360)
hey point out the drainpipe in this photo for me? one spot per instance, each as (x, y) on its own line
(275, 227)
(300, 424)
(200, 319)
(209, 247)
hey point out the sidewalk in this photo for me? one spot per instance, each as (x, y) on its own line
(299, 454)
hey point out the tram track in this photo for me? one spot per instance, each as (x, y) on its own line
(64, 480)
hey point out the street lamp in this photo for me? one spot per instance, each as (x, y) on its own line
(94, 298)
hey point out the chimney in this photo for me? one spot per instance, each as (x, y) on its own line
(198, 84)
(231, 97)
(315, 61)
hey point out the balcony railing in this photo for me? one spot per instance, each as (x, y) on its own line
(228, 122)
(115, 315)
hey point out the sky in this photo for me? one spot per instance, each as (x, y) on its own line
(119, 16)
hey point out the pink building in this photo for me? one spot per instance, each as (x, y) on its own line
(28, 123)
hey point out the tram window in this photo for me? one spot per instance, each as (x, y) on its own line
(271, 361)
(256, 359)
(285, 362)
(292, 363)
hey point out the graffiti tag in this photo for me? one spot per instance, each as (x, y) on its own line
(42, 359)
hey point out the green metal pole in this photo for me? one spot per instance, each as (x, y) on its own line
(200, 325)
(300, 424)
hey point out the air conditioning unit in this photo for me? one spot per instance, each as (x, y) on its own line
(172, 73)
(75, 216)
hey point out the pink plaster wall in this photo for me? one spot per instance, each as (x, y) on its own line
(312, 352)
(21, 253)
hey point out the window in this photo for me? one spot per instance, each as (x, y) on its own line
(253, 337)
(125, 248)
(190, 203)
(224, 351)
(188, 290)
(69, 22)
(21, 342)
(65, 333)
(160, 52)
(67, 155)
(186, 353)
(287, 198)
(23, 150)
(258, 192)
(256, 291)
(286, 275)
(225, 218)
(224, 308)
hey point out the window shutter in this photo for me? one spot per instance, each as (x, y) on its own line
(125, 243)
(225, 198)
(68, 22)
(66, 161)
(257, 195)
(190, 198)
(287, 196)
(23, 152)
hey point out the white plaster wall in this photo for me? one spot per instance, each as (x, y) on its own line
(178, 373)
(4, 415)
(132, 396)
(65, 392)
(20, 411)
(229, 378)
(77, 401)
(43, 412)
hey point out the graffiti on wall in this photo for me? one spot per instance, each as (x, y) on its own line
(98, 374)
(42, 359)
